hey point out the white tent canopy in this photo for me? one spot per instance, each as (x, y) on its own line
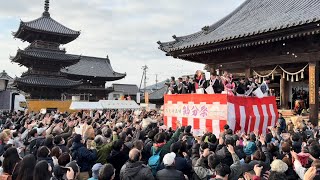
(119, 104)
(148, 106)
(86, 106)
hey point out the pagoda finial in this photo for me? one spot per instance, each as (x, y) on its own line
(46, 8)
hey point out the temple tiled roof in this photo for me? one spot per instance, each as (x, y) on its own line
(44, 81)
(252, 18)
(158, 94)
(93, 67)
(45, 55)
(127, 89)
(5, 76)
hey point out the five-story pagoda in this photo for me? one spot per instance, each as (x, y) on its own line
(47, 76)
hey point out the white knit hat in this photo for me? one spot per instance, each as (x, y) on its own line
(168, 159)
(279, 166)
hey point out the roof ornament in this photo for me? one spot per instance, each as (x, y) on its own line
(174, 37)
(205, 29)
(46, 8)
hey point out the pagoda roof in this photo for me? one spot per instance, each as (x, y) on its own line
(45, 28)
(43, 54)
(251, 20)
(55, 82)
(4, 76)
(93, 67)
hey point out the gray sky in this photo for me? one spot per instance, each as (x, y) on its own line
(126, 30)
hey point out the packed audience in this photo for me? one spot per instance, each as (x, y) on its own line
(128, 145)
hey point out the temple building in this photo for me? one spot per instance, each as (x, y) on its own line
(52, 72)
(278, 39)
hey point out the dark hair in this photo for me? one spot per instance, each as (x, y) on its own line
(48, 142)
(226, 127)
(314, 150)
(252, 137)
(222, 170)
(106, 172)
(212, 138)
(11, 158)
(138, 144)
(259, 156)
(55, 152)
(285, 147)
(41, 171)
(277, 176)
(64, 159)
(33, 132)
(213, 161)
(296, 137)
(159, 138)
(108, 133)
(123, 136)
(15, 134)
(57, 140)
(27, 165)
(152, 134)
(43, 152)
(117, 145)
(175, 147)
(229, 132)
(230, 141)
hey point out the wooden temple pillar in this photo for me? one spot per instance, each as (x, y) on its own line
(248, 72)
(313, 92)
(284, 93)
(211, 68)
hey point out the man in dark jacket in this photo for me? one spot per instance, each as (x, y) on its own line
(84, 157)
(182, 164)
(170, 171)
(117, 157)
(134, 169)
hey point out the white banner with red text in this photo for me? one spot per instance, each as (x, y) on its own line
(212, 112)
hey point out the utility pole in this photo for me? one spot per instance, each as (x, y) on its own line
(145, 67)
(144, 77)
(156, 81)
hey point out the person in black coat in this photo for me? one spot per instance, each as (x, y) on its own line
(182, 163)
(59, 141)
(170, 171)
(241, 88)
(216, 83)
(84, 157)
(190, 88)
(134, 169)
(117, 157)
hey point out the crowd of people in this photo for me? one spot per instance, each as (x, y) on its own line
(225, 83)
(135, 145)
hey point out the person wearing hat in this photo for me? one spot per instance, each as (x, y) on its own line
(134, 169)
(84, 157)
(170, 171)
(95, 171)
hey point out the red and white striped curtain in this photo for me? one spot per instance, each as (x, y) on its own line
(211, 112)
